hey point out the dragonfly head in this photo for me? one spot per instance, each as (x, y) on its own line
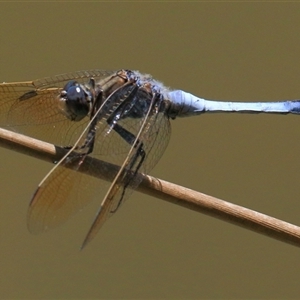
(76, 100)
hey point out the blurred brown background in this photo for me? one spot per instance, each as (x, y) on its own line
(152, 249)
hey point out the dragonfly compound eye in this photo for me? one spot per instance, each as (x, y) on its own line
(76, 101)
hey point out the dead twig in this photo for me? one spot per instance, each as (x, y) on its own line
(167, 191)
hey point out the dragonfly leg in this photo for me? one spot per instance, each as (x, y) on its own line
(127, 103)
(137, 159)
(139, 156)
(90, 139)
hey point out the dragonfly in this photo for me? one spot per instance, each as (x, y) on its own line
(121, 117)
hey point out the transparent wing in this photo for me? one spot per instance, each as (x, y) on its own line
(32, 107)
(73, 183)
(153, 137)
(80, 76)
(47, 208)
(65, 192)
